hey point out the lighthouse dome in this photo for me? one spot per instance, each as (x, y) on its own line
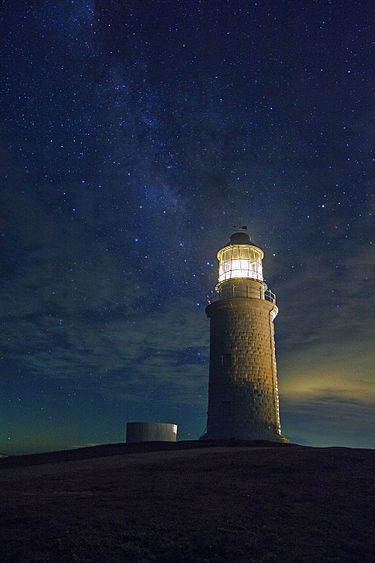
(240, 238)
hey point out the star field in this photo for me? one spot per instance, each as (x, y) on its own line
(134, 136)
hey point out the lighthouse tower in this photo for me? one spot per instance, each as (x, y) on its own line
(243, 399)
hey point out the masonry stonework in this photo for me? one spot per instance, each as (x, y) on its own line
(243, 398)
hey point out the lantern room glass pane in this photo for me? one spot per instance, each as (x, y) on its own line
(240, 262)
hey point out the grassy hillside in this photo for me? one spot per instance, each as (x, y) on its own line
(185, 503)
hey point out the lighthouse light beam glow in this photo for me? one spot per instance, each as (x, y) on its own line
(240, 262)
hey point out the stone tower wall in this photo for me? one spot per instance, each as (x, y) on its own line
(243, 393)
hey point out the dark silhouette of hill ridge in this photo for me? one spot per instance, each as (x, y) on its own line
(189, 501)
(121, 448)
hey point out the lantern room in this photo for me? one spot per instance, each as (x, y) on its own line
(240, 259)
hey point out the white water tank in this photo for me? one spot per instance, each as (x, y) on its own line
(150, 432)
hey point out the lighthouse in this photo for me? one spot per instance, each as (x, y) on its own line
(243, 398)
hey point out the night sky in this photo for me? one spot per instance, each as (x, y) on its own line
(134, 135)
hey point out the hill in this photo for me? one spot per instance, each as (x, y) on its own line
(189, 501)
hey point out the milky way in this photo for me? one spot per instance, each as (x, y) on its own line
(134, 136)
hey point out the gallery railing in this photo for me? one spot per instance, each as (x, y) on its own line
(230, 291)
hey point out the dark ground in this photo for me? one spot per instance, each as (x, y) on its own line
(189, 501)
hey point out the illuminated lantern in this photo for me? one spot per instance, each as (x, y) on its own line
(243, 399)
(240, 261)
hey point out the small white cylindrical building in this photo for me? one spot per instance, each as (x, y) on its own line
(150, 432)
